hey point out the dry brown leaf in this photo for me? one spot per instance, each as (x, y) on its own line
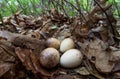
(117, 75)
(4, 67)
(64, 77)
(94, 48)
(6, 56)
(23, 55)
(116, 67)
(102, 62)
(38, 67)
(115, 56)
(96, 52)
(31, 62)
(82, 71)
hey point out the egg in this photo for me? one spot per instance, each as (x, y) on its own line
(49, 57)
(53, 42)
(71, 58)
(66, 44)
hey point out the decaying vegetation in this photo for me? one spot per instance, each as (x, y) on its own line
(95, 34)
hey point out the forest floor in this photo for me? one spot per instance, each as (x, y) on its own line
(23, 38)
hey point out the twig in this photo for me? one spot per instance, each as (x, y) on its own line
(76, 9)
(90, 69)
(61, 7)
(21, 6)
(88, 65)
(111, 28)
(33, 5)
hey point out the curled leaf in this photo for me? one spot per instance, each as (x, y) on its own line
(31, 62)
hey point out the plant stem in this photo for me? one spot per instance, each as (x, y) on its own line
(1, 18)
(117, 8)
(10, 7)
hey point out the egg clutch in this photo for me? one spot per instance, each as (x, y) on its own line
(63, 53)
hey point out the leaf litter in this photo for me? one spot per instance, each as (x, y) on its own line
(23, 37)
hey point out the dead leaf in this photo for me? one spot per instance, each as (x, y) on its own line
(116, 67)
(4, 67)
(94, 48)
(102, 62)
(6, 56)
(115, 56)
(31, 62)
(64, 77)
(82, 71)
(117, 75)
(38, 67)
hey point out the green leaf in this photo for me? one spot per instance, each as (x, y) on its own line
(54, 27)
